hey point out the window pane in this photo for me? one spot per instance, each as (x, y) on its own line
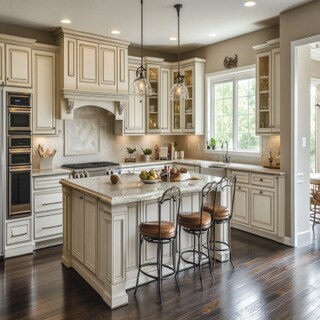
(313, 131)
(223, 111)
(246, 137)
(234, 111)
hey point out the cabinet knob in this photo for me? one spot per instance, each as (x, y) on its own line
(239, 188)
(261, 192)
(261, 179)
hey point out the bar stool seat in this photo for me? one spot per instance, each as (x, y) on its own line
(151, 229)
(192, 220)
(220, 212)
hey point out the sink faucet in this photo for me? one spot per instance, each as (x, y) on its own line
(226, 157)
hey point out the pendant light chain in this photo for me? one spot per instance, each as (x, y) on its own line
(178, 6)
(141, 32)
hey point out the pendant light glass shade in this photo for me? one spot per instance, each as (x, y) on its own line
(179, 91)
(141, 85)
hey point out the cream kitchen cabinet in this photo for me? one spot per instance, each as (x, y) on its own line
(188, 115)
(44, 86)
(18, 66)
(47, 209)
(259, 204)
(18, 235)
(158, 103)
(268, 88)
(92, 62)
(134, 115)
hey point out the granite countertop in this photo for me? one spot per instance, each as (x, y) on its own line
(49, 172)
(131, 189)
(206, 164)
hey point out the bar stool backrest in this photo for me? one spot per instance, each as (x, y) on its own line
(228, 183)
(173, 194)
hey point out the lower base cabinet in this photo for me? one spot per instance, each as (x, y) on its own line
(259, 204)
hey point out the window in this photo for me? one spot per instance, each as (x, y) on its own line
(232, 109)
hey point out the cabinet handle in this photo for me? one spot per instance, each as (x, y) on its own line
(51, 227)
(18, 235)
(261, 179)
(81, 198)
(239, 188)
(261, 192)
(48, 204)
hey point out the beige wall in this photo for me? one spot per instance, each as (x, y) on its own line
(299, 23)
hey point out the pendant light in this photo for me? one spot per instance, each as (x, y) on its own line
(141, 85)
(179, 90)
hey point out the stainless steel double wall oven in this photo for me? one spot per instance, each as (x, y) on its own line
(19, 154)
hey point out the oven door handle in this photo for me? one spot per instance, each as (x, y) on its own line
(19, 110)
(19, 150)
(19, 168)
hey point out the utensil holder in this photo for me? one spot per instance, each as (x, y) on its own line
(46, 163)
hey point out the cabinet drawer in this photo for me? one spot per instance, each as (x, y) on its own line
(47, 201)
(48, 181)
(242, 177)
(18, 231)
(262, 180)
(47, 225)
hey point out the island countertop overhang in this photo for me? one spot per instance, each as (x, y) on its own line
(131, 189)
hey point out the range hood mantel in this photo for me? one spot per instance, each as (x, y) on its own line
(73, 99)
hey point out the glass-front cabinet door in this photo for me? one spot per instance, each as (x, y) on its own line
(176, 110)
(153, 101)
(188, 118)
(263, 91)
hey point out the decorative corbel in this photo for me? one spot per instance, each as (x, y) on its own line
(70, 105)
(121, 106)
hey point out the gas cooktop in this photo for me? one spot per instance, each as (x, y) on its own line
(90, 165)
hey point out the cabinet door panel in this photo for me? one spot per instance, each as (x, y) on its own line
(18, 66)
(108, 71)
(78, 225)
(165, 100)
(90, 227)
(262, 209)
(276, 90)
(2, 68)
(135, 112)
(44, 121)
(88, 65)
(241, 205)
(122, 70)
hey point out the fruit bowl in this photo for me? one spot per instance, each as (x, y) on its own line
(149, 181)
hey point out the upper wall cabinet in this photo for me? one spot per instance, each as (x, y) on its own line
(268, 88)
(188, 115)
(15, 61)
(158, 103)
(92, 62)
(44, 89)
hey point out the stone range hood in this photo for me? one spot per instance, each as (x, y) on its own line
(70, 100)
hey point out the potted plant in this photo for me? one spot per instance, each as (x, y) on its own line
(131, 151)
(212, 143)
(147, 154)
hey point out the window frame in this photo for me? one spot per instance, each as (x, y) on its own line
(220, 77)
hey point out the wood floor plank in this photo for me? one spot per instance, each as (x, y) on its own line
(270, 281)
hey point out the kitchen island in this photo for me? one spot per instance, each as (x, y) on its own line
(100, 228)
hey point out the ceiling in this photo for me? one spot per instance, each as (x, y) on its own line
(198, 18)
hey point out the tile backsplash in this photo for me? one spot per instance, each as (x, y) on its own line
(90, 137)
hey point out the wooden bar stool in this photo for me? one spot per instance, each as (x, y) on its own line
(314, 204)
(221, 214)
(160, 232)
(197, 224)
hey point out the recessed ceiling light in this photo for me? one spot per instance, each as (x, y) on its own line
(172, 38)
(212, 35)
(249, 3)
(66, 21)
(115, 32)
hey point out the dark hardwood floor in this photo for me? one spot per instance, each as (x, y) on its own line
(270, 281)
